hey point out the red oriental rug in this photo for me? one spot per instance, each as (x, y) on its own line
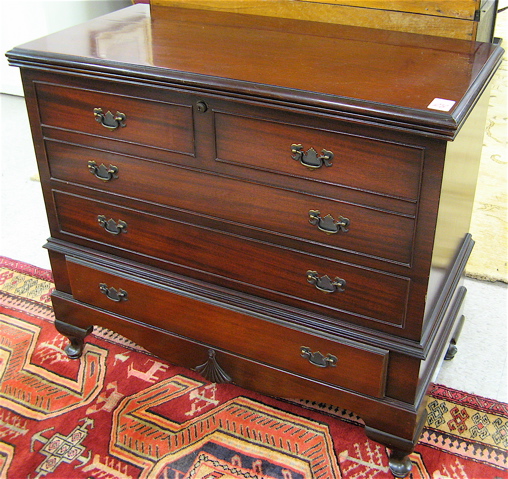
(120, 412)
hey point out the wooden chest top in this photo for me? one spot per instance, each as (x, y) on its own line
(394, 79)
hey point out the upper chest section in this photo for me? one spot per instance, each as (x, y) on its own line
(389, 78)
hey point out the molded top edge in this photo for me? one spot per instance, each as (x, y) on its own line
(428, 84)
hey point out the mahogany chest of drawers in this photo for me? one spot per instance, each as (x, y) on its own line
(280, 204)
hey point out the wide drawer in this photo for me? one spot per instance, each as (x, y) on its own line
(352, 366)
(359, 162)
(157, 124)
(328, 222)
(289, 276)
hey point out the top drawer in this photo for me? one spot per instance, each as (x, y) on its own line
(355, 161)
(168, 126)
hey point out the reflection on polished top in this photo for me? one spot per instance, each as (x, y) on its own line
(401, 77)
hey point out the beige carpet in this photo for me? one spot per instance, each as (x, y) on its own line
(490, 218)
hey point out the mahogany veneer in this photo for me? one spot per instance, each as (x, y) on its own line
(277, 203)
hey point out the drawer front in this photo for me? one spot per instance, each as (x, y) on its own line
(358, 162)
(345, 364)
(330, 223)
(286, 275)
(134, 120)
(184, 352)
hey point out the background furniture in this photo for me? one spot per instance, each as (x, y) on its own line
(464, 19)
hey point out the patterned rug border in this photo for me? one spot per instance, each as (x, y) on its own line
(492, 406)
(25, 268)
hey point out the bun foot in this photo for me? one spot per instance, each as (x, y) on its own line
(76, 337)
(75, 348)
(452, 348)
(451, 352)
(400, 464)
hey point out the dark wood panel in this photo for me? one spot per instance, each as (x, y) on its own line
(269, 271)
(153, 123)
(286, 214)
(361, 163)
(357, 368)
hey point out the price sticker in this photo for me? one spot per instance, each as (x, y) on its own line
(441, 105)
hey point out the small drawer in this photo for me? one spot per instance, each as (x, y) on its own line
(285, 214)
(295, 278)
(359, 162)
(346, 364)
(156, 124)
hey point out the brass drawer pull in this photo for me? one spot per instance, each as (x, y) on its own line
(310, 158)
(115, 228)
(108, 120)
(102, 171)
(112, 293)
(327, 223)
(325, 284)
(318, 359)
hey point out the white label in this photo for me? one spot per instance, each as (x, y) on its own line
(441, 105)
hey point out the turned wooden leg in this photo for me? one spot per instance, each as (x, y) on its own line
(452, 348)
(76, 337)
(401, 447)
(400, 464)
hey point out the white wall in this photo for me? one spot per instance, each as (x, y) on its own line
(25, 20)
